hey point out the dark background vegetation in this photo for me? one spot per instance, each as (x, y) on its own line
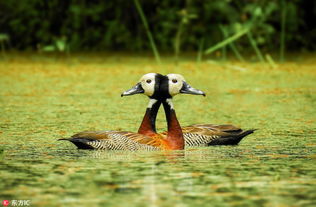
(98, 25)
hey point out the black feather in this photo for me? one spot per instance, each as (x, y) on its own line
(232, 140)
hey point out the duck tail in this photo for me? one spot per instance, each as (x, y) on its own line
(232, 140)
(68, 139)
(247, 132)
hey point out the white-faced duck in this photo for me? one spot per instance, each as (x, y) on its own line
(147, 138)
(194, 135)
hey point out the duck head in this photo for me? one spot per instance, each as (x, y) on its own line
(160, 87)
(148, 85)
(175, 84)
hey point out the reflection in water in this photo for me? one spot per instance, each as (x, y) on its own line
(194, 176)
(149, 190)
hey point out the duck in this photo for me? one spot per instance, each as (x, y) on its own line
(199, 134)
(205, 134)
(156, 87)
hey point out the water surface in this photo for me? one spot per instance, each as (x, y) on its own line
(45, 98)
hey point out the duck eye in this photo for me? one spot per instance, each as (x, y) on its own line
(148, 81)
(174, 80)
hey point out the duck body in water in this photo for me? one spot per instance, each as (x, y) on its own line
(147, 138)
(160, 90)
(196, 134)
(204, 134)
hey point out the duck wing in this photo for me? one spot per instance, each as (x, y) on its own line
(211, 134)
(218, 128)
(114, 140)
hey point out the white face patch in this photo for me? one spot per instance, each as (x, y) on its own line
(175, 83)
(151, 103)
(148, 83)
(169, 101)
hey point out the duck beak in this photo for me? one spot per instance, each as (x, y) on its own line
(186, 88)
(135, 90)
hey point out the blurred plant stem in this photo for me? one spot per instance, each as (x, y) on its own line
(282, 34)
(177, 41)
(186, 16)
(255, 47)
(271, 61)
(4, 38)
(232, 44)
(200, 51)
(3, 50)
(150, 37)
(227, 41)
(224, 51)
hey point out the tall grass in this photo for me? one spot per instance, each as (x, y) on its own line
(232, 44)
(200, 51)
(227, 41)
(282, 34)
(150, 37)
(4, 38)
(255, 47)
(177, 41)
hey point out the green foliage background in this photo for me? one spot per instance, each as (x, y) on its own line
(116, 24)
